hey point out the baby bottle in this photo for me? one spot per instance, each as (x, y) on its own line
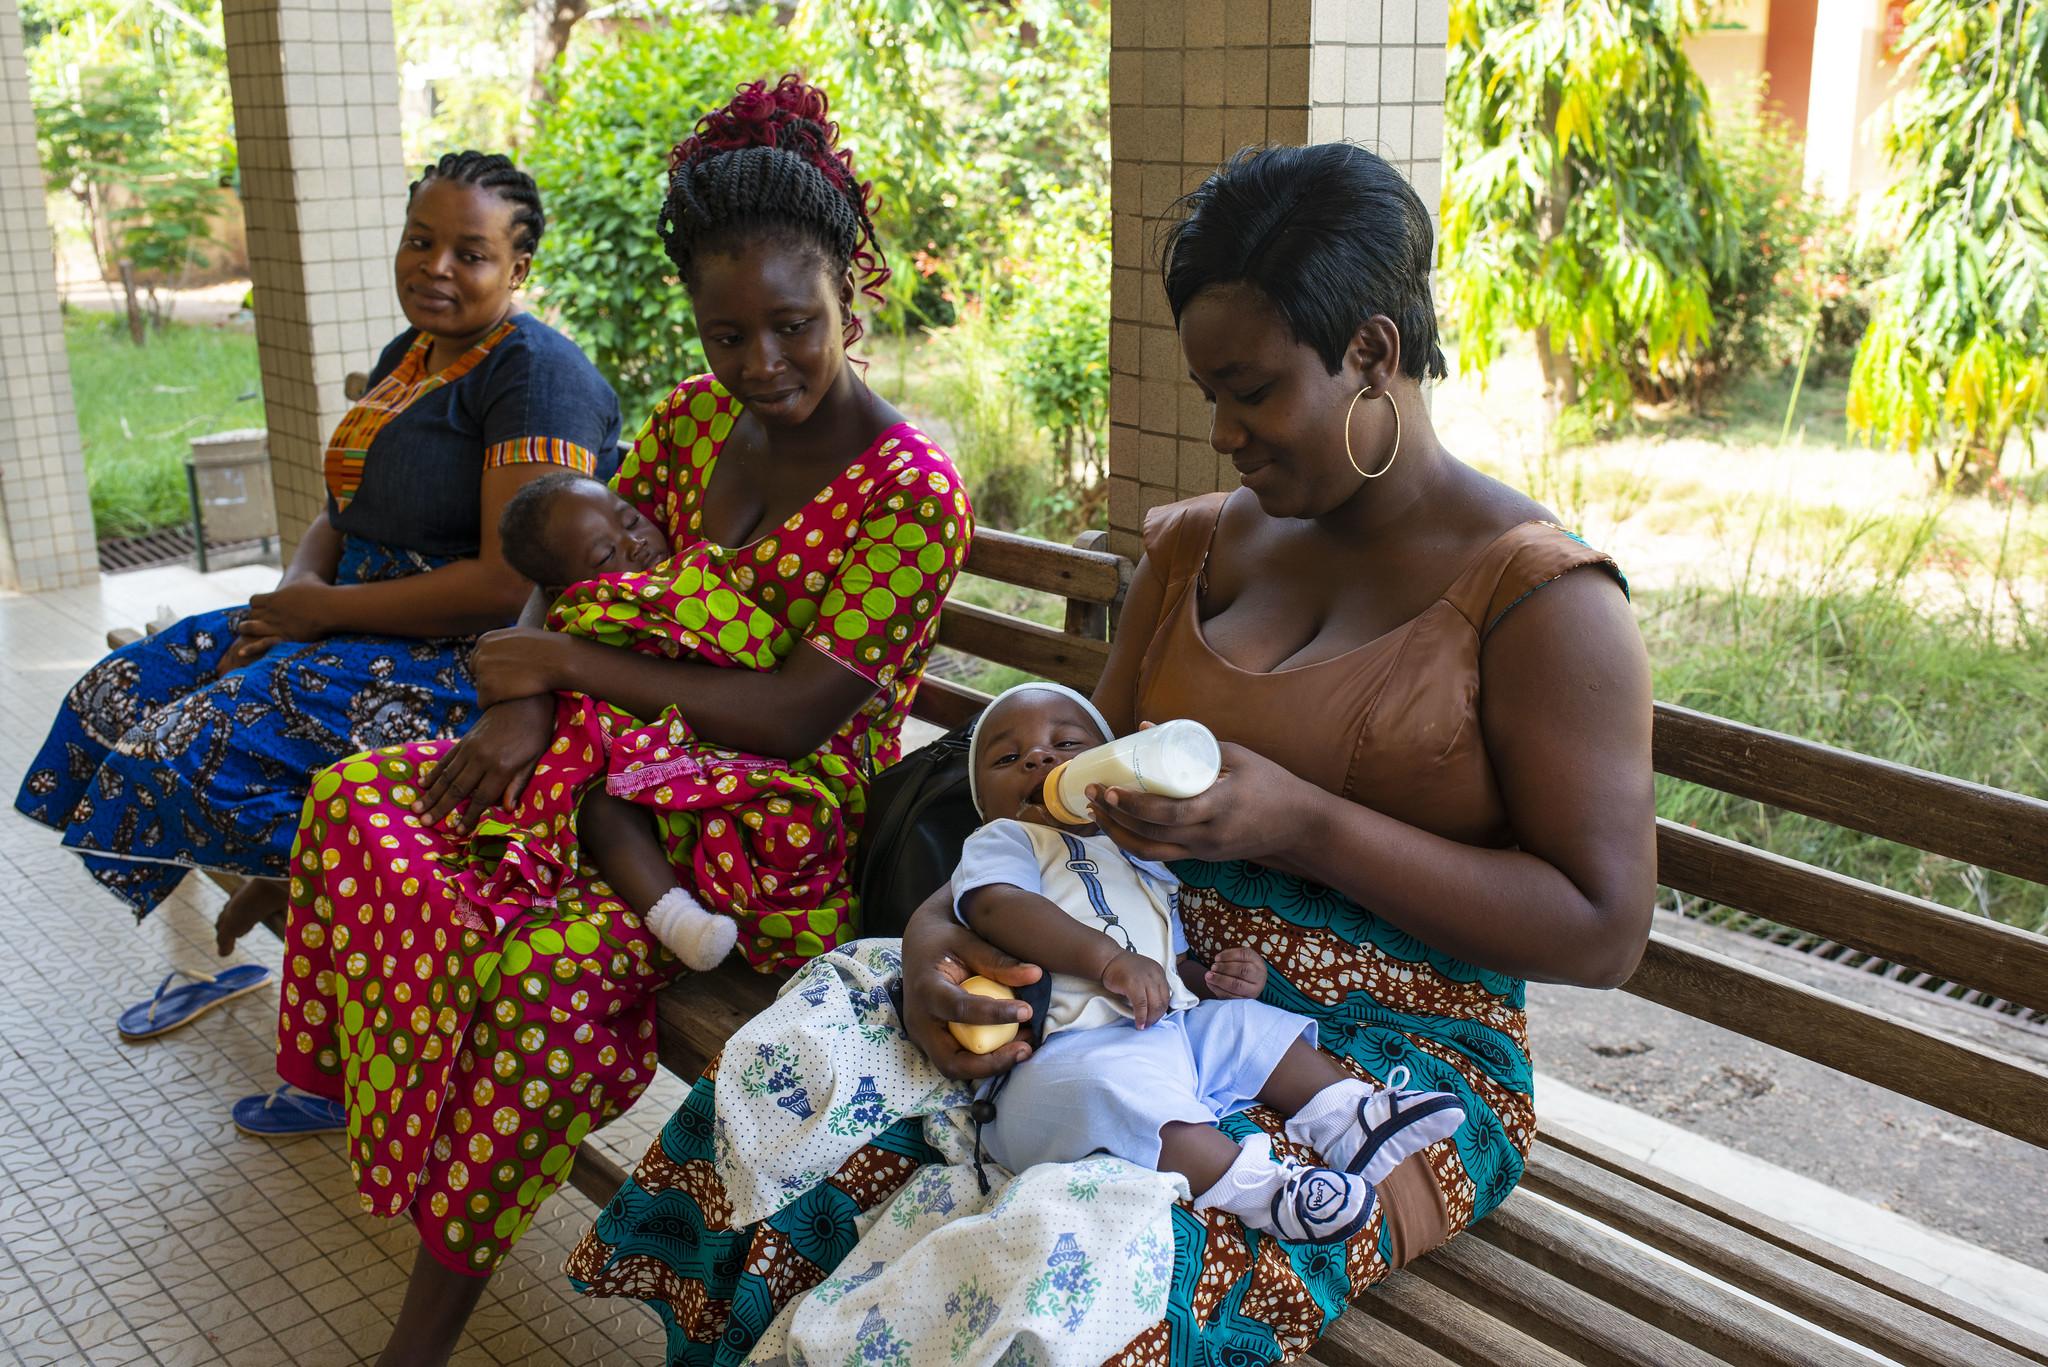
(1175, 759)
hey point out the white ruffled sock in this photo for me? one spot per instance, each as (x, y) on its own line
(701, 939)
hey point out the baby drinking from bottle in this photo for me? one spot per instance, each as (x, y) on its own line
(1145, 1048)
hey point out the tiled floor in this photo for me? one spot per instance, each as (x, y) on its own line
(136, 1224)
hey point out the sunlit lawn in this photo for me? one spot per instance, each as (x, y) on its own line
(139, 409)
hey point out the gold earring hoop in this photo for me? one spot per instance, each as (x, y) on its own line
(1388, 395)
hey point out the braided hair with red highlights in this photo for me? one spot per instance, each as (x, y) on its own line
(770, 162)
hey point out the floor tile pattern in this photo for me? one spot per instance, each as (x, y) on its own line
(136, 1224)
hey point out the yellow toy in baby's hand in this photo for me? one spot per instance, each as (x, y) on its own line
(984, 1039)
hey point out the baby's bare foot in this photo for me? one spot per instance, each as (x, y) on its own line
(257, 901)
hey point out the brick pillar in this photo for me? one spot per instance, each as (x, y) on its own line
(46, 536)
(315, 85)
(1191, 81)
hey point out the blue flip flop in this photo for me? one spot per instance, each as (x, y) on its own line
(172, 1007)
(287, 1113)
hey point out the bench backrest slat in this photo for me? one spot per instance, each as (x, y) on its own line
(946, 704)
(1975, 951)
(1964, 1079)
(1933, 812)
(1068, 571)
(1046, 652)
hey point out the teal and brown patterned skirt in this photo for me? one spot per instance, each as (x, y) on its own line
(1381, 999)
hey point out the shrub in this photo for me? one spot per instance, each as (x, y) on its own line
(1062, 334)
(600, 154)
(1956, 358)
(1797, 281)
(1759, 315)
(1581, 201)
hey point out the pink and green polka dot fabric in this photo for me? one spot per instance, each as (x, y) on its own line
(481, 1003)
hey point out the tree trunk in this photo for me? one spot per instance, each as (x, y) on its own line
(553, 22)
(135, 326)
(1560, 373)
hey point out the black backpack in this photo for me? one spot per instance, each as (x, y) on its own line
(920, 813)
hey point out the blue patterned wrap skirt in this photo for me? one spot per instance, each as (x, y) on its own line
(155, 767)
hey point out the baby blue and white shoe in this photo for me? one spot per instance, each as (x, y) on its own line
(1291, 1200)
(1370, 1130)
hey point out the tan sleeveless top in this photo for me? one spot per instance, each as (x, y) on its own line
(1393, 723)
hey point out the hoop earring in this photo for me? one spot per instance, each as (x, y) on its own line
(1388, 395)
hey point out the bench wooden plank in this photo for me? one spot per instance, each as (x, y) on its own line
(1091, 576)
(1814, 1293)
(944, 703)
(1581, 1326)
(1996, 1090)
(1670, 1297)
(1967, 821)
(595, 1174)
(1362, 1341)
(1440, 1322)
(698, 1013)
(1046, 652)
(1974, 951)
(1831, 1258)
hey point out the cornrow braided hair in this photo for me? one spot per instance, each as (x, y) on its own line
(496, 173)
(771, 158)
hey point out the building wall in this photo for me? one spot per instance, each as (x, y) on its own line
(1849, 110)
(46, 533)
(1190, 82)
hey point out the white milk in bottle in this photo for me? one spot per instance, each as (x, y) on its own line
(1175, 759)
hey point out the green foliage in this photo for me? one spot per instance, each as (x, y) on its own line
(1857, 665)
(1062, 359)
(473, 59)
(983, 419)
(985, 132)
(1759, 316)
(1796, 283)
(138, 413)
(1956, 358)
(133, 120)
(600, 154)
(1581, 200)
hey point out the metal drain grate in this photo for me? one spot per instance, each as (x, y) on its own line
(1805, 942)
(165, 546)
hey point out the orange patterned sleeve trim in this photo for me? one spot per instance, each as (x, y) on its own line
(540, 451)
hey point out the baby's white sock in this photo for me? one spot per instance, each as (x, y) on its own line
(1300, 1204)
(698, 937)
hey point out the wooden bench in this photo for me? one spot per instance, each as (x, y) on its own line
(1597, 1258)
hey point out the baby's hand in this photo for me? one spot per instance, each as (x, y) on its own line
(1141, 983)
(1238, 971)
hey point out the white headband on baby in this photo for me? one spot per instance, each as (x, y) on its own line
(974, 740)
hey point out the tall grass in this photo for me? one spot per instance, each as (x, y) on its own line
(139, 408)
(1956, 683)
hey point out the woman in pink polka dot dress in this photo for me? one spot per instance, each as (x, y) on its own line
(467, 1054)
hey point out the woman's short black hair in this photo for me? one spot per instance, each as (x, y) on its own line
(496, 173)
(1331, 233)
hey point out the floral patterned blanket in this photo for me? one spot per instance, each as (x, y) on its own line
(1063, 1264)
